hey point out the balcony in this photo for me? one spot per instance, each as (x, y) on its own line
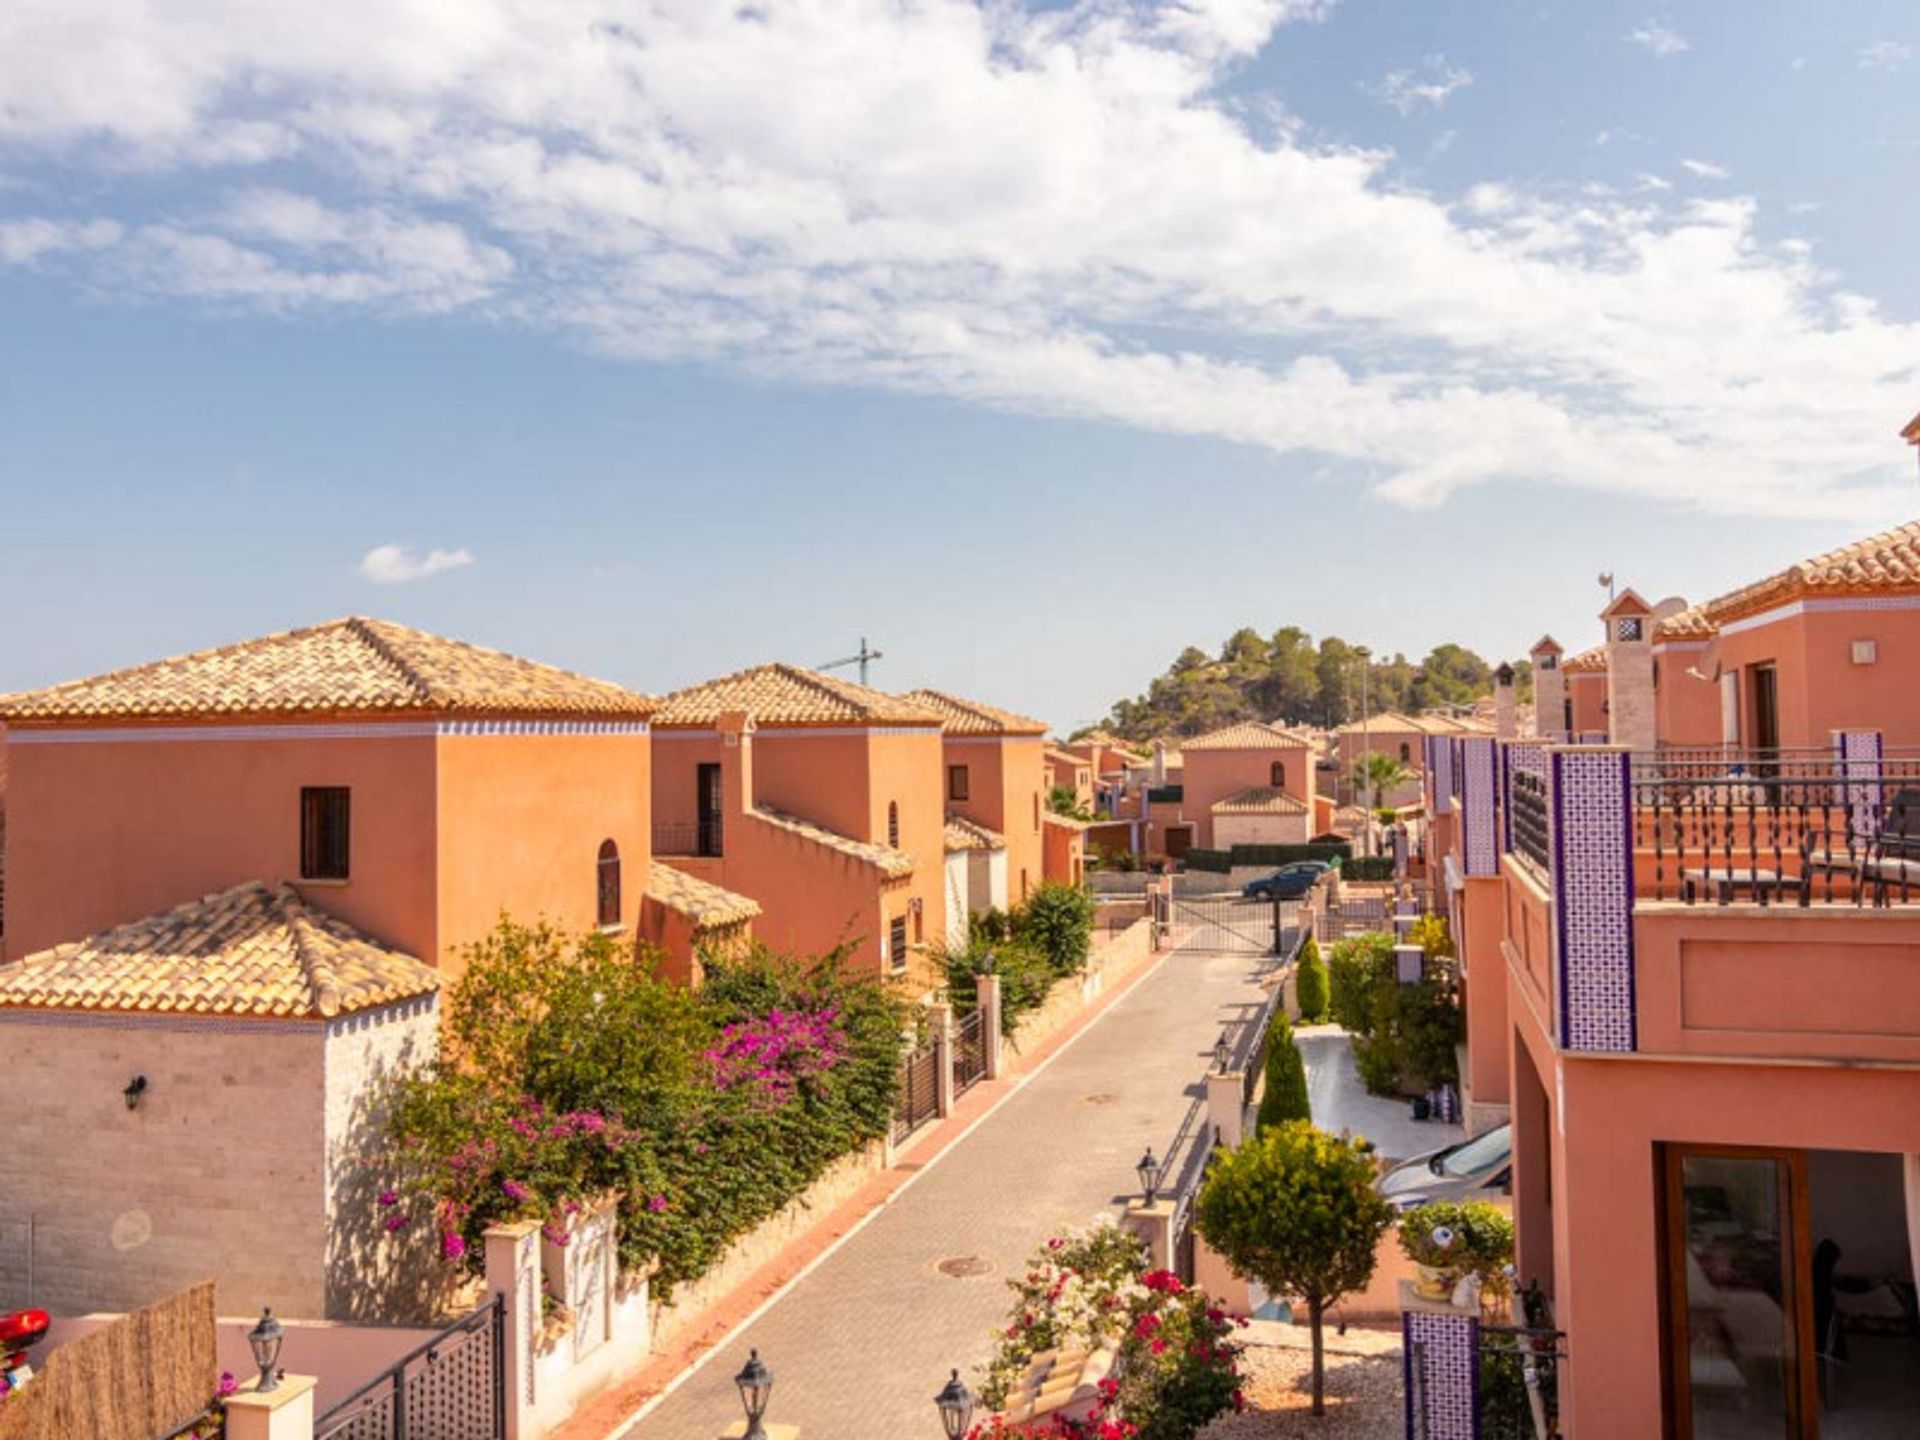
(687, 837)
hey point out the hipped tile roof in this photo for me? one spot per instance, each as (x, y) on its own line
(1065, 822)
(1260, 800)
(965, 834)
(960, 716)
(888, 861)
(1887, 561)
(781, 694)
(253, 950)
(709, 906)
(354, 666)
(1587, 661)
(1249, 735)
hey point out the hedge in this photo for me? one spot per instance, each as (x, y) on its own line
(1221, 861)
(1367, 867)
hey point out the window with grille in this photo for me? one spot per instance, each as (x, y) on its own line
(897, 943)
(609, 883)
(1277, 774)
(325, 825)
(956, 782)
(893, 823)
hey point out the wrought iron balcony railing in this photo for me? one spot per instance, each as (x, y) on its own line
(687, 837)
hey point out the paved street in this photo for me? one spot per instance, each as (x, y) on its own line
(860, 1345)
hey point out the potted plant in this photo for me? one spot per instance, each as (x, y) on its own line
(1449, 1240)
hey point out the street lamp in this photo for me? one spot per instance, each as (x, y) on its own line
(264, 1340)
(956, 1404)
(1149, 1172)
(755, 1383)
(1222, 1053)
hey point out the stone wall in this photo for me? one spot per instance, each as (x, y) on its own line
(219, 1171)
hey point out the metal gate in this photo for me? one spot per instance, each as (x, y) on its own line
(454, 1387)
(1231, 923)
(969, 1052)
(919, 1091)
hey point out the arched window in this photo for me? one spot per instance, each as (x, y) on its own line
(609, 878)
(1277, 774)
(1406, 751)
(893, 823)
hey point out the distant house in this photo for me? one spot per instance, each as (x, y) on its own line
(995, 777)
(1251, 783)
(817, 798)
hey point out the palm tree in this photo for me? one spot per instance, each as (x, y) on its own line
(1062, 800)
(1378, 773)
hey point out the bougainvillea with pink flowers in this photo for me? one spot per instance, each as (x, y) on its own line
(574, 1073)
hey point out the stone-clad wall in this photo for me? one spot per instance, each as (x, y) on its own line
(219, 1171)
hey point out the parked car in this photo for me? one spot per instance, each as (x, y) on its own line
(1476, 1169)
(20, 1331)
(1289, 882)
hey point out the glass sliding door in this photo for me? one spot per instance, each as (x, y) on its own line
(1737, 1294)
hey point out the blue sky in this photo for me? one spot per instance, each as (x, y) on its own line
(1032, 344)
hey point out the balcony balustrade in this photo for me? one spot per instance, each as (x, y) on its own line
(688, 837)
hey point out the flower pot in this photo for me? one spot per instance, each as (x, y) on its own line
(1433, 1283)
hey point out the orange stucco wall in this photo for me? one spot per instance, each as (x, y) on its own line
(103, 832)
(1686, 707)
(1006, 792)
(1066, 850)
(1820, 688)
(520, 821)
(1588, 691)
(1212, 775)
(1481, 945)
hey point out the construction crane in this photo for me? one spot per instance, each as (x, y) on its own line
(862, 660)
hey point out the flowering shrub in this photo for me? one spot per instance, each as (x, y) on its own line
(1175, 1367)
(573, 1073)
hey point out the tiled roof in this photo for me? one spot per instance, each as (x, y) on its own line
(251, 950)
(1394, 722)
(1065, 822)
(354, 665)
(1587, 661)
(1912, 433)
(1690, 623)
(965, 834)
(789, 695)
(709, 906)
(884, 858)
(1064, 757)
(1260, 800)
(1248, 735)
(1887, 561)
(971, 717)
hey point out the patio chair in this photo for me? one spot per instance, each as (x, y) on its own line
(1893, 857)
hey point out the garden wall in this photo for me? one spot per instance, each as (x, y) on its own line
(1109, 964)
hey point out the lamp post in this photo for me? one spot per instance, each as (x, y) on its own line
(755, 1383)
(264, 1340)
(1222, 1053)
(1149, 1172)
(956, 1403)
(1363, 654)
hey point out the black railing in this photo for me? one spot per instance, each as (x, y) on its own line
(209, 1424)
(1520, 1370)
(687, 837)
(1810, 830)
(919, 1098)
(1529, 801)
(969, 1051)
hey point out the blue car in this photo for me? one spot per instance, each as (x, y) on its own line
(1289, 882)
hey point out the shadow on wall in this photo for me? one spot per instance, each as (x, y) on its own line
(373, 1276)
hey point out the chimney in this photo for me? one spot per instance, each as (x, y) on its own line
(1549, 690)
(736, 762)
(1630, 701)
(1159, 762)
(1504, 726)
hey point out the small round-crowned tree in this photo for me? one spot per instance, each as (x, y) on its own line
(1295, 1209)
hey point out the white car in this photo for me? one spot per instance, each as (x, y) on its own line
(1476, 1169)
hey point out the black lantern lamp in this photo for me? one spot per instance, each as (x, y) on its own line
(755, 1383)
(956, 1404)
(1222, 1053)
(264, 1339)
(1149, 1172)
(136, 1087)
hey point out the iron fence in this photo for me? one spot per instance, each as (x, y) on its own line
(1806, 831)
(969, 1051)
(454, 1387)
(919, 1098)
(1519, 1382)
(689, 837)
(1528, 796)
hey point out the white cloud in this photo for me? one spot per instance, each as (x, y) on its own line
(1430, 83)
(400, 565)
(1885, 55)
(1658, 38)
(1046, 211)
(1706, 170)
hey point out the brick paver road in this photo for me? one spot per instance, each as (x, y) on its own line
(859, 1346)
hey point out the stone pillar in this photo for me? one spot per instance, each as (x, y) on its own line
(1631, 720)
(1857, 756)
(1227, 1106)
(283, 1413)
(1439, 755)
(513, 1272)
(1440, 1356)
(1479, 835)
(1505, 722)
(1409, 964)
(1590, 793)
(940, 1021)
(1549, 690)
(1153, 1224)
(736, 769)
(986, 995)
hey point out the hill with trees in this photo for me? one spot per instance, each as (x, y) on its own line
(1289, 677)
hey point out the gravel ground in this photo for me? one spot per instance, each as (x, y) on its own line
(1363, 1390)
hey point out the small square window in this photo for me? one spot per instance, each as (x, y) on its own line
(325, 830)
(1865, 652)
(957, 782)
(1627, 627)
